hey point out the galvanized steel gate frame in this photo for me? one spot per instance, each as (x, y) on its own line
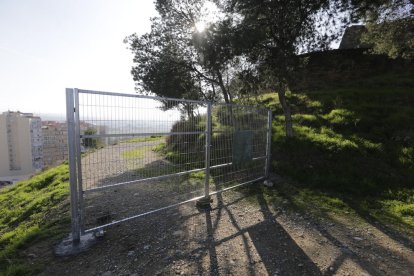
(75, 156)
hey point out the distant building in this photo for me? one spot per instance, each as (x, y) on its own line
(21, 151)
(352, 38)
(55, 142)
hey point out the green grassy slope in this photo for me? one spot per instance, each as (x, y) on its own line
(32, 211)
(356, 141)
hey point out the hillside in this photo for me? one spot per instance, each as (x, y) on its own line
(30, 212)
(355, 143)
(352, 160)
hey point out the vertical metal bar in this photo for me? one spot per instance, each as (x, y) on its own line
(208, 148)
(268, 142)
(79, 161)
(72, 165)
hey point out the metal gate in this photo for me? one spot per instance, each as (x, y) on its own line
(132, 155)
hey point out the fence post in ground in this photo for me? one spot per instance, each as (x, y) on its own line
(268, 142)
(77, 142)
(206, 200)
(70, 119)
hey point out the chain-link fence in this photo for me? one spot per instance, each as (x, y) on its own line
(131, 155)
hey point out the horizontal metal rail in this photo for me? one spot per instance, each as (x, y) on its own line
(252, 130)
(139, 96)
(231, 163)
(168, 207)
(159, 133)
(243, 106)
(162, 176)
(141, 180)
(141, 134)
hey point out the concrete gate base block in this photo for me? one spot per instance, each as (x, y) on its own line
(204, 203)
(68, 248)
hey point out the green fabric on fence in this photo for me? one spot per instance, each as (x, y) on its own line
(242, 147)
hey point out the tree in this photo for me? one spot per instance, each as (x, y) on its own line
(374, 10)
(253, 40)
(393, 38)
(176, 60)
(389, 24)
(272, 33)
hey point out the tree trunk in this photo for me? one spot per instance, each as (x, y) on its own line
(228, 99)
(286, 110)
(223, 88)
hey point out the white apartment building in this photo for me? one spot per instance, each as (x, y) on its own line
(21, 144)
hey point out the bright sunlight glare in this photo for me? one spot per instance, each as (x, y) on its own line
(200, 26)
(209, 13)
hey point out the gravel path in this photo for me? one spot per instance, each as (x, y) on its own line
(101, 166)
(241, 236)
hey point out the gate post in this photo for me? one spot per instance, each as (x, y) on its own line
(208, 148)
(78, 152)
(70, 119)
(205, 201)
(77, 242)
(268, 142)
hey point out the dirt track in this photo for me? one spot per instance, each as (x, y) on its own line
(240, 236)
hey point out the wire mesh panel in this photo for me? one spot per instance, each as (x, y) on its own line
(126, 139)
(238, 151)
(132, 138)
(131, 155)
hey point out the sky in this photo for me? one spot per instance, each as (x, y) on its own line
(48, 45)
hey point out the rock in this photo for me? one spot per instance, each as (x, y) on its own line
(358, 239)
(99, 233)
(178, 233)
(31, 255)
(131, 253)
(268, 183)
(146, 247)
(107, 273)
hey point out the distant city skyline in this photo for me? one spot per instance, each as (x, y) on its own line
(49, 45)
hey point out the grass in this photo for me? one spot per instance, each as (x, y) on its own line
(31, 211)
(136, 153)
(160, 148)
(353, 147)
